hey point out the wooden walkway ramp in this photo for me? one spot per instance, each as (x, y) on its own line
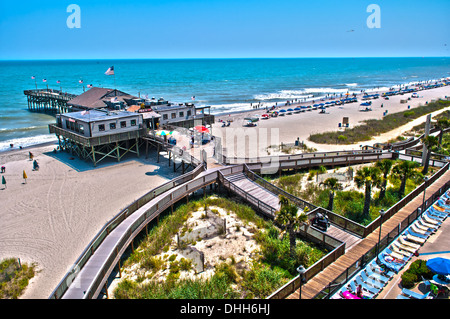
(257, 191)
(316, 284)
(251, 188)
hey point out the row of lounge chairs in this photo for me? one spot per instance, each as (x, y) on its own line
(421, 229)
(374, 277)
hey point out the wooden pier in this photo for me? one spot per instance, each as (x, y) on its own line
(48, 100)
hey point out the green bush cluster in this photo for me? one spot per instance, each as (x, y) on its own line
(416, 271)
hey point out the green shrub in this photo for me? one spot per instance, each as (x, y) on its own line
(416, 271)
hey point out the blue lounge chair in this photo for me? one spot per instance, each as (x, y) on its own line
(436, 218)
(352, 285)
(377, 269)
(371, 281)
(378, 277)
(438, 214)
(409, 231)
(415, 295)
(402, 297)
(366, 287)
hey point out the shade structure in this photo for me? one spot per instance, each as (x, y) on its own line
(439, 265)
(283, 111)
(201, 129)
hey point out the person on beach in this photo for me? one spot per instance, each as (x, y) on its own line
(35, 165)
(3, 169)
(31, 156)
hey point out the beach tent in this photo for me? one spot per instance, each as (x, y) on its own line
(440, 266)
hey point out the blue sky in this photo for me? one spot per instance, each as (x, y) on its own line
(222, 29)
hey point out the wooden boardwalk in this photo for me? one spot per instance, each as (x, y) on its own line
(254, 189)
(333, 271)
(259, 192)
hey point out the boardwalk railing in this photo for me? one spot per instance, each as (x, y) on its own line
(304, 205)
(335, 285)
(359, 264)
(115, 221)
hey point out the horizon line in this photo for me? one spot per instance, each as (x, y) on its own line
(221, 58)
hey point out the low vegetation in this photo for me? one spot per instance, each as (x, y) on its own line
(14, 277)
(349, 202)
(416, 272)
(372, 127)
(271, 267)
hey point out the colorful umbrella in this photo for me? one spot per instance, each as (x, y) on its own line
(201, 129)
(439, 265)
(162, 133)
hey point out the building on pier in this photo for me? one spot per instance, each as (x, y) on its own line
(99, 134)
(103, 98)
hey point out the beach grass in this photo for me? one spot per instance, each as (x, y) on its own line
(14, 277)
(270, 269)
(374, 127)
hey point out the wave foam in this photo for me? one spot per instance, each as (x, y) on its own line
(27, 141)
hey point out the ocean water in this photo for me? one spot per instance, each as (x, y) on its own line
(227, 85)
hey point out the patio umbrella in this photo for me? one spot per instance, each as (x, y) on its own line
(162, 133)
(439, 265)
(201, 129)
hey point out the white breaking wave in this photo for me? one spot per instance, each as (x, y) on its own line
(27, 141)
(283, 95)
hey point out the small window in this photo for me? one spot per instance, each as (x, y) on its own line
(173, 115)
(101, 127)
(81, 128)
(189, 113)
(181, 114)
(112, 126)
(123, 124)
(133, 122)
(165, 117)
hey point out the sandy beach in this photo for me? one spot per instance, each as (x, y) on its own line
(288, 128)
(50, 219)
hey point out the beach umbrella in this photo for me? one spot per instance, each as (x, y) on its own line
(24, 176)
(439, 265)
(4, 181)
(201, 129)
(290, 110)
(283, 111)
(162, 133)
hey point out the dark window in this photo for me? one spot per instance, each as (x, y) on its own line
(173, 115)
(165, 117)
(81, 129)
(133, 122)
(181, 114)
(123, 124)
(112, 126)
(189, 113)
(101, 127)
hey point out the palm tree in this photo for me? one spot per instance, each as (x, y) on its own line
(405, 170)
(429, 142)
(442, 124)
(385, 166)
(333, 185)
(367, 177)
(289, 217)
